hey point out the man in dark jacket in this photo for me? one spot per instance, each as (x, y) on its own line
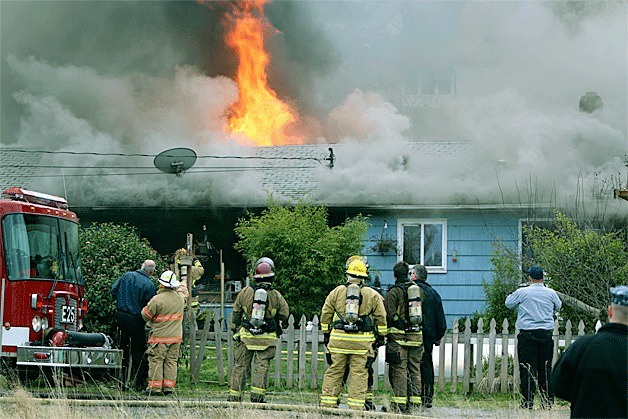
(132, 292)
(592, 373)
(434, 327)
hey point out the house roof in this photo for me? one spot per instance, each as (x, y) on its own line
(21, 171)
(294, 179)
(297, 172)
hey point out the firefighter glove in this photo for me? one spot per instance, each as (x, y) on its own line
(236, 337)
(380, 340)
(326, 339)
(328, 357)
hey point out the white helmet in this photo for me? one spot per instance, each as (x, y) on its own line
(169, 279)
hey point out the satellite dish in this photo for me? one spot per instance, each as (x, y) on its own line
(175, 160)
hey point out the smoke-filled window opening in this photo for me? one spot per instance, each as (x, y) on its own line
(423, 242)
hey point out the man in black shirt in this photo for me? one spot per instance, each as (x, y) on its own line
(592, 373)
(434, 327)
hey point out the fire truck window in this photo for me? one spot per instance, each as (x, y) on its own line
(17, 250)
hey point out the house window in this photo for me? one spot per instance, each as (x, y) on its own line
(424, 242)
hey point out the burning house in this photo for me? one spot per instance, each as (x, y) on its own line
(424, 116)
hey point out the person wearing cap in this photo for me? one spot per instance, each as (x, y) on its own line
(592, 374)
(164, 315)
(132, 292)
(351, 317)
(535, 304)
(258, 312)
(434, 328)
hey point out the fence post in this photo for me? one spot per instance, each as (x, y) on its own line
(441, 363)
(568, 335)
(492, 335)
(196, 366)
(454, 358)
(581, 328)
(219, 359)
(278, 361)
(314, 382)
(504, 367)
(290, 350)
(302, 350)
(230, 344)
(555, 339)
(468, 356)
(479, 360)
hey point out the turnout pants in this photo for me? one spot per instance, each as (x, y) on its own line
(162, 366)
(259, 376)
(333, 380)
(535, 350)
(404, 373)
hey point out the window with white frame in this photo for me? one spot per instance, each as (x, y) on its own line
(425, 242)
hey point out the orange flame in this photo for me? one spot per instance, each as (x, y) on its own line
(259, 113)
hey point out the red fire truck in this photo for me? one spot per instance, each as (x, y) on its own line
(42, 290)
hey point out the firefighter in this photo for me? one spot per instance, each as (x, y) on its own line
(188, 276)
(404, 348)
(351, 318)
(258, 312)
(164, 314)
(380, 341)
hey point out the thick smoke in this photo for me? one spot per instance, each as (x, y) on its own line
(505, 78)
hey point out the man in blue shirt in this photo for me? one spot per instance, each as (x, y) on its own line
(535, 304)
(132, 292)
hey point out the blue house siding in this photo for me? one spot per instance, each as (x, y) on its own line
(471, 233)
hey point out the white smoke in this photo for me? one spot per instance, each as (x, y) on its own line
(516, 71)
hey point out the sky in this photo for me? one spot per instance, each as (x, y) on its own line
(134, 77)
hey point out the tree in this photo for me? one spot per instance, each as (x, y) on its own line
(581, 264)
(107, 251)
(309, 255)
(506, 278)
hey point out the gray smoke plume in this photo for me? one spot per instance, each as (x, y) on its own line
(503, 78)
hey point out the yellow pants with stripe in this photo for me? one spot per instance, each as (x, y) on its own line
(259, 376)
(333, 380)
(162, 365)
(404, 373)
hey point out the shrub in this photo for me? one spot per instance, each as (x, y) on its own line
(309, 255)
(107, 251)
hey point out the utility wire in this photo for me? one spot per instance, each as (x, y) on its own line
(223, 170)
(45, 166)
(89, 153)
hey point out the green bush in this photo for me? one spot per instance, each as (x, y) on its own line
(506, 278)
(107, 251)
(309, 255)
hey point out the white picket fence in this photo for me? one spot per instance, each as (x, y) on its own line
(481, 361)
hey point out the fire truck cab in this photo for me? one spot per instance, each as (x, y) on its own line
(42, 289)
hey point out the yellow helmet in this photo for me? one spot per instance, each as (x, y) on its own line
(355, 257)
(357, 268)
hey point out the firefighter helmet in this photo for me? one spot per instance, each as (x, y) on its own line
(355, 257)
(169, 279)
(267, 260)
(264, 269)
(357, 268)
